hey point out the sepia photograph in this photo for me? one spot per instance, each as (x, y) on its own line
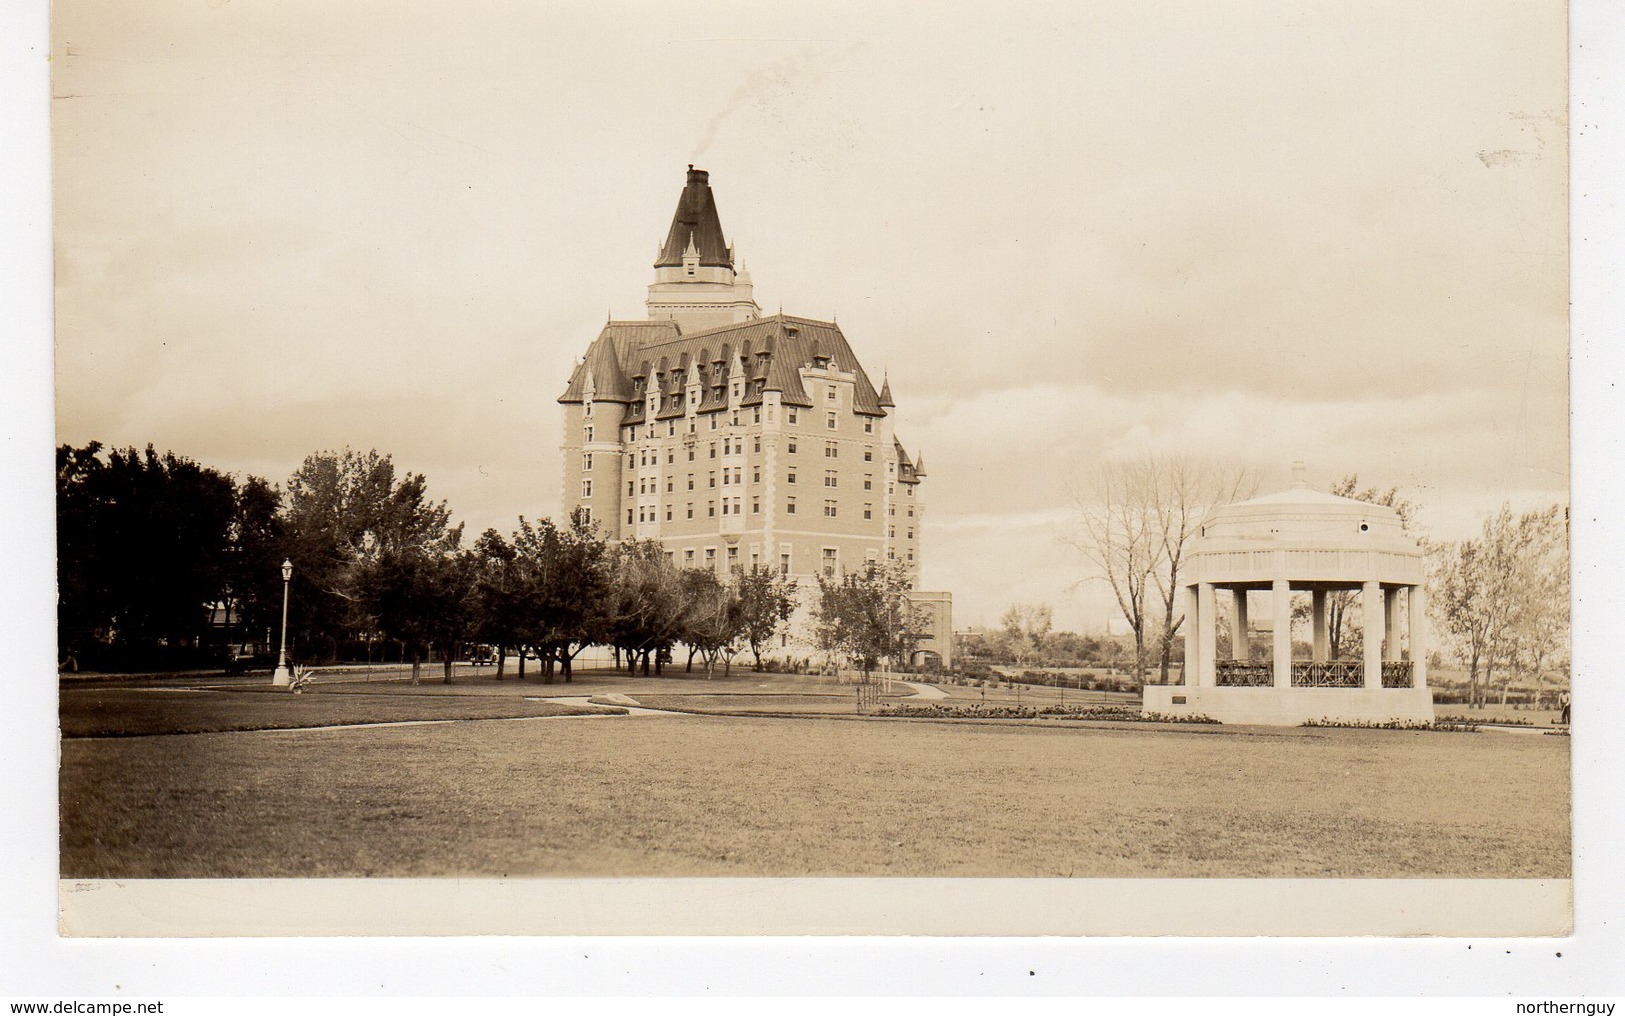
(1093, 468)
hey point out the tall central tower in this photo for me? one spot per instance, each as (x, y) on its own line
(695, 281)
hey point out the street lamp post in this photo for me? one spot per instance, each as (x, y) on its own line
(282, 678)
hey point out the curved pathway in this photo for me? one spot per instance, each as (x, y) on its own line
(924, 691)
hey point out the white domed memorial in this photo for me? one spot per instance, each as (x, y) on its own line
(1302, 542)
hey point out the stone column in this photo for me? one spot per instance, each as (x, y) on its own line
(1321, 643)
(1419, 649)
(1240, 644)
(1193, 651)
(1371, 615)
(1390, 602)
(1281, 607)
(1208, 645)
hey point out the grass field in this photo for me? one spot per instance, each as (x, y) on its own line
(740, 795)
(127, 712)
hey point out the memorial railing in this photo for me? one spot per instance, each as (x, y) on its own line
(1333, 674)
(1243, 674)
(1397, 674)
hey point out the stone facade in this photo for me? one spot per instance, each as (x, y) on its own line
(733, 438)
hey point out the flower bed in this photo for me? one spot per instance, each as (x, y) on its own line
(1448, 724)
(1129, 714)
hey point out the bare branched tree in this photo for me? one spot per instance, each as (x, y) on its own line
(1135, 521)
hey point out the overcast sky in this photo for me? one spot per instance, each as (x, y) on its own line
(1070, 232)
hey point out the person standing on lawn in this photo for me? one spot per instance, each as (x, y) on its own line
(1564, 700)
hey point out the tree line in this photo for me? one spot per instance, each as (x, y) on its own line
(164, 562)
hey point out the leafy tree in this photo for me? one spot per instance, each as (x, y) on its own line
(143, 544)
(253, 587)
(1502, 597)
(343, 512)
(418, 596)
(646, 607)
(497, 591)
(1026, 626)
(867, 616)
(766, 602)
(712, 622)
(561, 589)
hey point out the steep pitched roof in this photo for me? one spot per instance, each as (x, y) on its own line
(907, 472)
(605, 361)
(695, 222)
(659, 355)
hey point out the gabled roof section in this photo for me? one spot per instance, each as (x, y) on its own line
(696, 223)
(630, 359)
(607, 359)
(906, 472)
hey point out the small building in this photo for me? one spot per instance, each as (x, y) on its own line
(1274, 549)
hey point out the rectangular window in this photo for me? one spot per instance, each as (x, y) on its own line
(587, 409)
(792, 416)
(756, 445)
(868, 425)
(791, 478)
(830, 421)
(671, 425)
(586, 515)
(586, 462)
(829, 509)
(755, 506)
(792, 447)
(711, 480)
(831, 560)
(911, 513)
(586, 488)
(868, 455)
(830, 478)
(711, 555)
(755, 474)
(784, 569)
(688, 555)
(868, 481)
(691, 455)
(830, 396)
(690, 481)
(671, 457)
(756, 415)
(790, 507)
(629, 487)
(691, 509)
(831, 450)
(629, 516)
(911, 534)
(668, 514)
(713, 421)
(668, 486)
(733, 556)
(713, 449)
(868, 511)
(710, 509)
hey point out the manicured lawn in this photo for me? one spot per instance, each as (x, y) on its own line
(118, 712)
(735, 795)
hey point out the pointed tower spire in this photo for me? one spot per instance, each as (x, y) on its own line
(695, 225)
(885, 394)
